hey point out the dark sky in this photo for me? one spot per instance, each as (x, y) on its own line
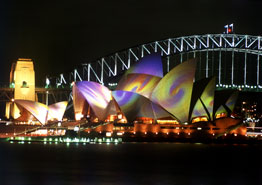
(58, 35)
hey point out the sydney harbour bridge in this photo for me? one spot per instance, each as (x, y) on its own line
(236, 61)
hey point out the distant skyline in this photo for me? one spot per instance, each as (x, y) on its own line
(60, 35)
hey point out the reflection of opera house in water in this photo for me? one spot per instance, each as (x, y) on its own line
(145, 102)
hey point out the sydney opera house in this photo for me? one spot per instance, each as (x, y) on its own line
(145, 101)
(31, 111)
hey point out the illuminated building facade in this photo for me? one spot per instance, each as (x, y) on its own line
(22, 79)
(24, 106)
(155, 103)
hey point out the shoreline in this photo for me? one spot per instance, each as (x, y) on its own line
(117, 140)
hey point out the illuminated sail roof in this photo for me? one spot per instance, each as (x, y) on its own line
(174, 91)
(57, 110)
(140, 83)
(199, 110)
(221, 109)
(230, 103)
(134, 105)
(142, 92)
(150, 64)
(97, 96)
(79, 102)
(111, 108)
(38, 110)
(207, 96)
(205, 99)
(225, 101)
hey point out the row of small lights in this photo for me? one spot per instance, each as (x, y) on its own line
(109, 134)
(221, 85)
(225, 134)
(112, 84)
(239, 86)
(108, 141)
(218, 85)
(84, 140)
(69, 140)
(68, 143)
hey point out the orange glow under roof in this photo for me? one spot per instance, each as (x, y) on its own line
(198, 119)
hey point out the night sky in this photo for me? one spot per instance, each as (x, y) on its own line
(59, 35)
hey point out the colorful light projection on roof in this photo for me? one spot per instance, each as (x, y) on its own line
(140, 83)
(38, 110)
(111, 108)
(221, 110)
(150, 64)
(152, 110)
(57, 110)
(97, 96)
(80, 103)
(199, 110)
(232, 101)
(208, 95)
(128, 103)
(225, 102)
(207, 98)
(149, 96)
(174, 91)
(134, 105)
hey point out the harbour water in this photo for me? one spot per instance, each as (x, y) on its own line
(130, 163)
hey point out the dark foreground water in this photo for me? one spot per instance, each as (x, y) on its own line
(130, 163)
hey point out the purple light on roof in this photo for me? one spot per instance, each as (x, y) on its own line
(97, 95)
(174, 90)
(38, 110)
(134, 105)
(140, 83)
(150, 64)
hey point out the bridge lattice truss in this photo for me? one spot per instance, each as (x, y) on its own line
(112, 65)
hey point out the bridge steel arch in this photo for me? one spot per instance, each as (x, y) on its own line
(209, 48)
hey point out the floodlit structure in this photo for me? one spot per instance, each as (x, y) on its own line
(134, 105)
(95, 95)
(56, 111)
(174, 91)
(22, 79)
(202, 102)
(23, 105)
(34, 111)
(145, 96)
